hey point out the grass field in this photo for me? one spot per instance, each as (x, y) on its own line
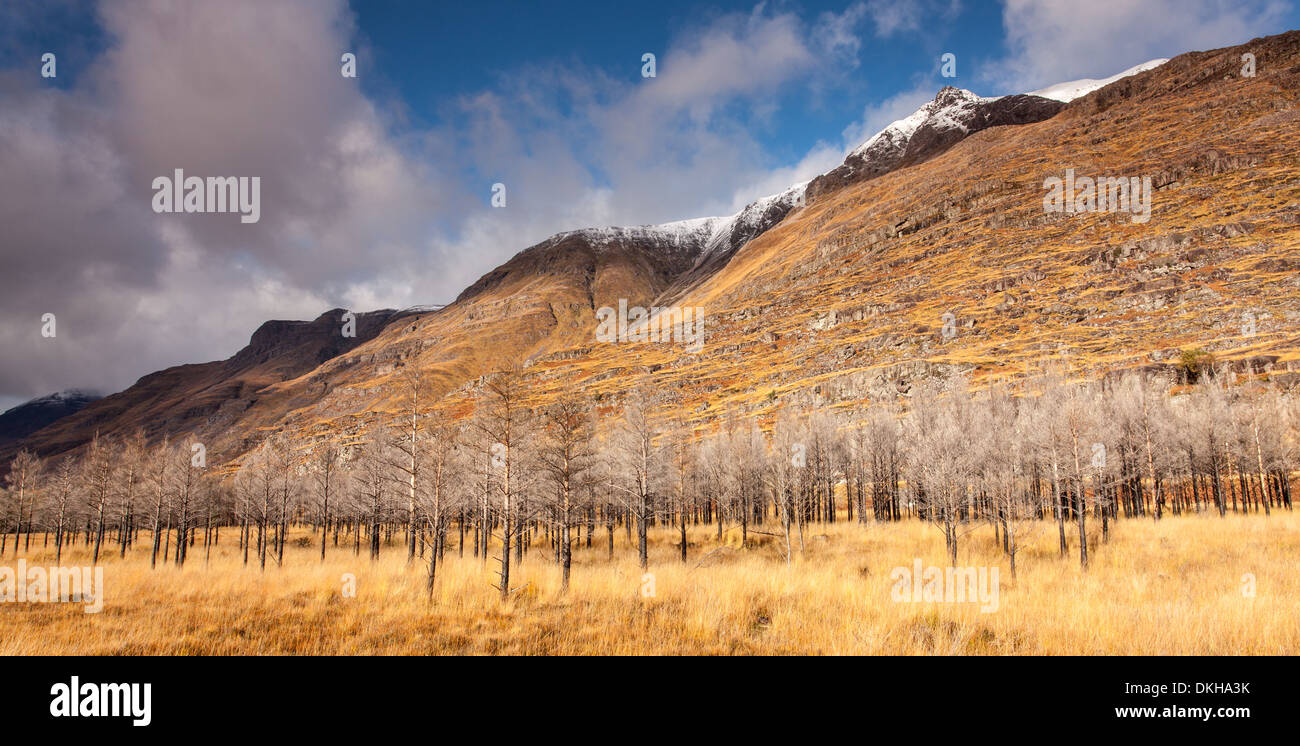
(1173, 587)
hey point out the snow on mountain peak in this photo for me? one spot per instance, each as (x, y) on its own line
(952, 112)
(1070, 90)
(709, 236)
(677, 234)
(945, 110)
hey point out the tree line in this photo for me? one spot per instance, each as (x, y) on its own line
(517, 477)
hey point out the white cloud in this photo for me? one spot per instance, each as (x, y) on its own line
(837, 33)
(1056, 40)
(893, 17)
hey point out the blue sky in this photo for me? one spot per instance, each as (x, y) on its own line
(460, 49)
(420, 57)
(375, 190)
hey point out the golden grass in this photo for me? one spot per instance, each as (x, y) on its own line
(1168, 588)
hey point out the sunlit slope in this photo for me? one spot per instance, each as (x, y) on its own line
(540, 303)
(848, 295)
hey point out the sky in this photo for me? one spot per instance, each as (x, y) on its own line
(376, 190)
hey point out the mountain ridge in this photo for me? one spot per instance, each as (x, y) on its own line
(536, 308)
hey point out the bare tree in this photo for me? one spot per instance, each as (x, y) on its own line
(98, 466)
(1004, 425)
(565, 456)
(158, 479)
(132, 474)
(371, 478)
(23, 477)
(681, 474)
(406, 431)
(442, 467)
(785, 473)
(501, 425)
(635, 443)
(941, 460)
(324, 461)
(256, 485)
(63, 485)
(189, 465)
(284, 463)
(1076, 417)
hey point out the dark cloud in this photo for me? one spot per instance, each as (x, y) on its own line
(355, 210)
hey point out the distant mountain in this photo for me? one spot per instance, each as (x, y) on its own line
(186, 398)
(27, 418)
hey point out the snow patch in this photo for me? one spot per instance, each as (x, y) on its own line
(947, 111)
(709, 236)
(58, 399)
(1073, 89)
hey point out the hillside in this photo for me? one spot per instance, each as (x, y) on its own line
(848, 296)
(192, 398)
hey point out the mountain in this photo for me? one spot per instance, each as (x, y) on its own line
(25, 419)
(848, 297)
(928, 252)
(953, 115)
